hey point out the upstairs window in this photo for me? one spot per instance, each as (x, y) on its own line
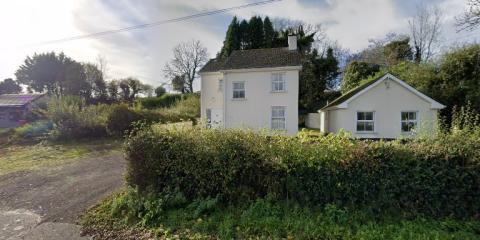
(365, 122)
(238, 90)
(278, 82)
(409, 121)
(278, 118)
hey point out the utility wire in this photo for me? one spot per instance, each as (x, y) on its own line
(153, 24)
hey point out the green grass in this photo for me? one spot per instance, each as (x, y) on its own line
(262, 219)
(15, 158)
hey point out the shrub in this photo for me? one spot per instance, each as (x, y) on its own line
(166, 100)
(436, 177)
(188, 108)
(74, 119)
(33, 130)
(121, 118)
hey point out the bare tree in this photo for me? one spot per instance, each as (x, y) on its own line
(188, 58)
(102, 65)
(470, 20)
(425, 28)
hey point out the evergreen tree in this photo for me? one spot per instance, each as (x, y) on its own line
(269, 32)
(232, 39)
(318, 74)
(398, 51)
(243, 34)
(255, 31)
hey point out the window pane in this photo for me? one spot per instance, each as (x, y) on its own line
(360, 116)
(412, 115)
(404, 116)
(405, 127)
(360, 126)
(238, 86)
(369, 126)
(369, 116)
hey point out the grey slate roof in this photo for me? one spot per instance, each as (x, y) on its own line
(17, 100)
(255, 58)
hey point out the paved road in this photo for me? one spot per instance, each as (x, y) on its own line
(45, 204)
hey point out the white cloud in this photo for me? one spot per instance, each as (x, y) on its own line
(142, 53)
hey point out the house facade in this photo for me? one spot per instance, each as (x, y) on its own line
(255, 89)
(14, 108)
(386, 107)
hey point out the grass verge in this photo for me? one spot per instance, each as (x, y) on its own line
(171, 216)
(15, 158)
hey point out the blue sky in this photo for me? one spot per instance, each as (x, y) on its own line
(143, 53)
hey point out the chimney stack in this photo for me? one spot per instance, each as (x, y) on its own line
(292, 42)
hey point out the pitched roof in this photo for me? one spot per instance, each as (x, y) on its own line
(350, 95)
(17, 100)
(255, 58)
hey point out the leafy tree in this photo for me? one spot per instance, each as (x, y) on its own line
(355, 73)
(9, 86)
(97, 86)
(232, 39)
(55, 74)
(188, 58)
(398, 51)
(269, 32)
(460, 77)
(318, 74)
(160, 91)
(112, 90)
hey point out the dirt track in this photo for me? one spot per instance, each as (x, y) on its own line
(56, 195)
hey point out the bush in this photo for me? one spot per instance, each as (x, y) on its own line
(166, 100)
(74, 119)
(121, 118)
(33, 130)
(437, 177)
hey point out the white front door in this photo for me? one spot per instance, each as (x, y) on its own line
(215, 117)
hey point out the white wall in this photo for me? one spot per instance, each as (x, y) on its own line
(210, 95)
(387, 105)
(255, 110)
(312, 120)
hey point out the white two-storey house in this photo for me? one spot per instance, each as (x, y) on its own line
(255, 89)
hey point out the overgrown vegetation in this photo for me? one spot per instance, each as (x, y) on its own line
(70, 117)
(172, 216)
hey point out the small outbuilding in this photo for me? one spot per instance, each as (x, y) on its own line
(14, 108)
(385, 107)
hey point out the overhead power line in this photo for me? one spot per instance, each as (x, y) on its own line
(153, 24)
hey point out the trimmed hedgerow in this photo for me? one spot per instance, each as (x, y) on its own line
(436, 177)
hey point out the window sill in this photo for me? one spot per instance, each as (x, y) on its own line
(278, 91)
(239, 99)
(360, 132)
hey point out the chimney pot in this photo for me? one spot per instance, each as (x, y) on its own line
(292, 42)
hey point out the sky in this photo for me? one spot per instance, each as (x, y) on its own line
(142, 53)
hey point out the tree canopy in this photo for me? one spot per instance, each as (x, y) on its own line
(9, 86)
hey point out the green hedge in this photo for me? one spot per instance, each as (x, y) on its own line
(437, 177)
(163, 101)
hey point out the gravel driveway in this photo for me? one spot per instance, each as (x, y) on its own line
(45, 204)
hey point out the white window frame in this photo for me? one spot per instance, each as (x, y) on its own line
(416, 121)
(365, 121)
(278, 78)
(284, 118)
(234, 90)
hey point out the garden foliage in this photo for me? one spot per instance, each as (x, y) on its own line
(433, 176)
